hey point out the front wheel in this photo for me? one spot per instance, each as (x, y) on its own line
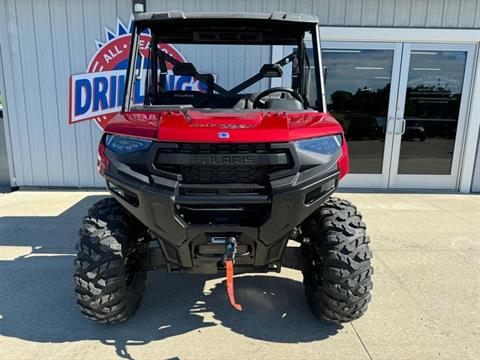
(108, 275)
(337, 271)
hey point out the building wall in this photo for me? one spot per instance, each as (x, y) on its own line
(410, 13)
(4, 174)
(43, 42)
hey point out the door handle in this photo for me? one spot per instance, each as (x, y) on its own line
(404, 126)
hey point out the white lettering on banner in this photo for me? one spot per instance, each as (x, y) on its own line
(98, 93)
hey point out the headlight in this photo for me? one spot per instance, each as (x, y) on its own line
(325, 145)
(124, 145)
(318, 151)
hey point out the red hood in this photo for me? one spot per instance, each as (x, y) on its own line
(203, 126)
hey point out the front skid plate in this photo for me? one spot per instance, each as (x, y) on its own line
(155, 260)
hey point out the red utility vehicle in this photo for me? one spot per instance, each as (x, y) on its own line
(220, 175)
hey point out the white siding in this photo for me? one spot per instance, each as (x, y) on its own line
(43, 42)
(411, 13)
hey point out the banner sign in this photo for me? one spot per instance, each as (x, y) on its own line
(98, 93)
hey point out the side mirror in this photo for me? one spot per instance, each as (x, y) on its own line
(184, 69)
(271, 70)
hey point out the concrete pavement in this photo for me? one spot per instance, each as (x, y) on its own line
(426, 297)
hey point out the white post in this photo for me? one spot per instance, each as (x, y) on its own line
(471, 135)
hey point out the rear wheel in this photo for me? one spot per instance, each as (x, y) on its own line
(337, 271)
(108, 275)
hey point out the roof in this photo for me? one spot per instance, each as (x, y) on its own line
(172, 16)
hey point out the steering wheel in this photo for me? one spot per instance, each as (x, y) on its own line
(257, 102)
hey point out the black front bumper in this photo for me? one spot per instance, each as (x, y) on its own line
(155, 200)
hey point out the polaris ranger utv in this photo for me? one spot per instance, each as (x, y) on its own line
(217, 175)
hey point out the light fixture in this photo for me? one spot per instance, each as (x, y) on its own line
(425, 69)
(424, 53)
(369, 68)
(340, 51)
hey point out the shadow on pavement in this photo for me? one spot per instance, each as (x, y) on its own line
(37, 302)
(274, 309)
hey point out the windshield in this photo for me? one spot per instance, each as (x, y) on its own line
(232, 75)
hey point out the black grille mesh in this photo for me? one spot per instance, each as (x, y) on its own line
(223, 174)
(224, 148)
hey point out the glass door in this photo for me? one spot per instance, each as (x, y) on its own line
(403, 109)
(361, 83)
(430, 115)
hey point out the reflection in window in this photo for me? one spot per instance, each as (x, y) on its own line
(357, 91)
(432, 105)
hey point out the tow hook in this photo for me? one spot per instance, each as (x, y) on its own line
(228, 260)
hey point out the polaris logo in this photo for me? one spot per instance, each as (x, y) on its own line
(224, 159)
(223, 135)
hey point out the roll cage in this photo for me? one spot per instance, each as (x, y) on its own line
(231, 29)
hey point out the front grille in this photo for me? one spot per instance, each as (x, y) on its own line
(225, 175)
(223, 183)
(201, 148)
(211, 172)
